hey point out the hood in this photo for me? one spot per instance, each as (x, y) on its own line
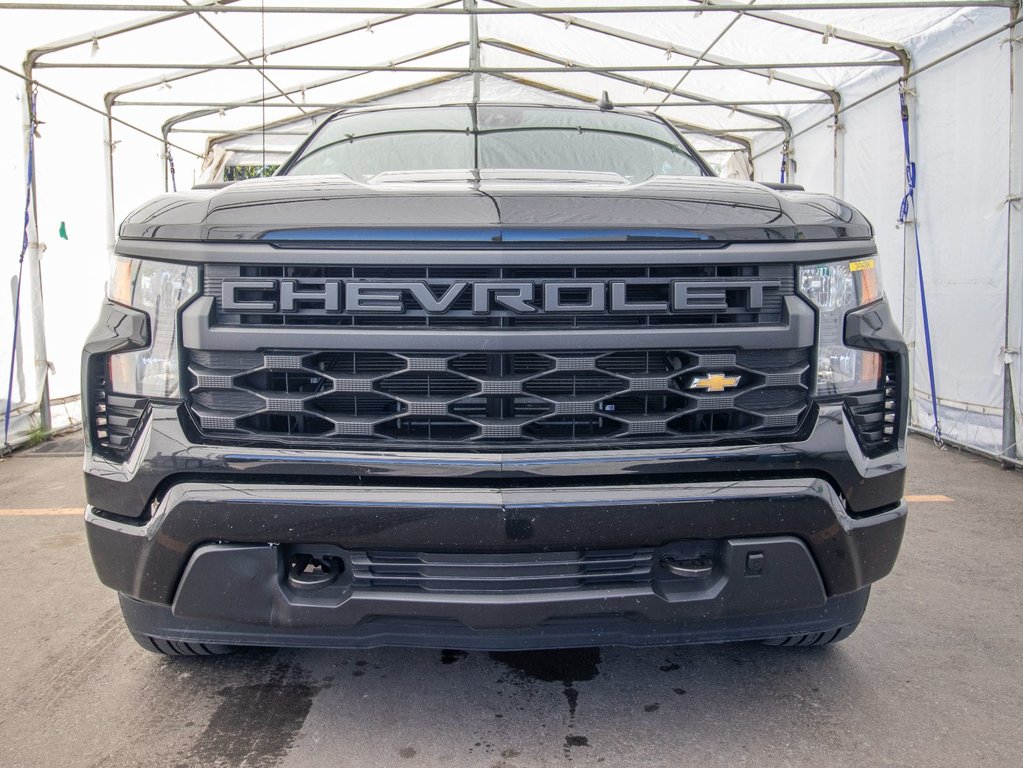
(508, 206)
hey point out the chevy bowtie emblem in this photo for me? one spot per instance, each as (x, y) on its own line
(714, 382)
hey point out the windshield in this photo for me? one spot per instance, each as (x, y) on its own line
(491, 138)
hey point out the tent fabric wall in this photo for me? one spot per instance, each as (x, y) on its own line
(962, 220)
(965, 117)
(960, 113)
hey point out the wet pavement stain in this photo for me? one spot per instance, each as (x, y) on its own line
(572, 695)
(406, 753)
(567, 666)
(572, 741)
(255, 724)
(449, 656)
(652, 707)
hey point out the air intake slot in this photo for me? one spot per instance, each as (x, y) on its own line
(524, 572)
(875, 415)
(116, 418)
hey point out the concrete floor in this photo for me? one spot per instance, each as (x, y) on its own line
(934, 676)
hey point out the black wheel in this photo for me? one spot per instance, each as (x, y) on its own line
(829, 637)
(181, 648)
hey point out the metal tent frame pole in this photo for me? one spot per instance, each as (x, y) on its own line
(671, 47)
(270, 51)
(33, 259)
(474, 49)
(171, 123)
(906, 75)
(261, 101)
(690, 127)
(826, 31)
(911, 281)
(646, 84)
(695, 8)
(1012, 388)
(108, 174)
(216, 106)
(766, 67)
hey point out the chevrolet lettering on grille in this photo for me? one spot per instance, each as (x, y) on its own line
(486, 297)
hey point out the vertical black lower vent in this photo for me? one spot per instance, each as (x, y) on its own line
(116, 418)
(875, 415)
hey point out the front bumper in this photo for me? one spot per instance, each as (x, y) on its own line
(210, 563)
(196, 534)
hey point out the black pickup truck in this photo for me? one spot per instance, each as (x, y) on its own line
(493, 376)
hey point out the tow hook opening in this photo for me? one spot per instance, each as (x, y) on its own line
(308, 570)
(690, 567)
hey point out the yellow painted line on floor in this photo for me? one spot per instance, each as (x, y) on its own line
(925, 498)
(28, 512)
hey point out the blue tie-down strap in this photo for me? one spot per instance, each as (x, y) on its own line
(29, 174)
(910, 189)
(909, 201)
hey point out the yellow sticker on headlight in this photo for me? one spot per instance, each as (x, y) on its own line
(858, 266)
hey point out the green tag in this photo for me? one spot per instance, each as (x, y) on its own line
(63, 231)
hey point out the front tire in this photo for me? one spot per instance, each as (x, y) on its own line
(181, 648)
(813, 639)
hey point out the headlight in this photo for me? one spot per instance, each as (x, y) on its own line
(159, 289)
(835, 288)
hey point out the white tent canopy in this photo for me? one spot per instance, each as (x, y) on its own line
(133, 98)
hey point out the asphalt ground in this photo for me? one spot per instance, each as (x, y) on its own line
(933, 677)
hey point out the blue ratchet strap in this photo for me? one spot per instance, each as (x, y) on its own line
(30, 172)
(908, 201)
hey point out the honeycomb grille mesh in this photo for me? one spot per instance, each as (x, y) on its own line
(520, 398)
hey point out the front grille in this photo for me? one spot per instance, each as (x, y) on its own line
(488, 573)
(645, 285)
(341, 399)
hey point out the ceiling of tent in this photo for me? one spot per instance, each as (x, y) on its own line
(241, 72)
